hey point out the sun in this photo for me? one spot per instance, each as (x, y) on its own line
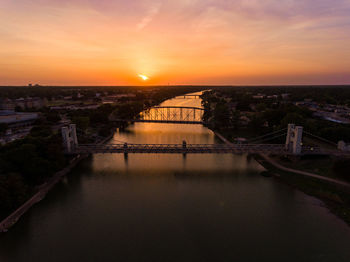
(143, 77)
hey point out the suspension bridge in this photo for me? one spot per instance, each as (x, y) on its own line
(169, 115)
(293, 145)
(185, 148)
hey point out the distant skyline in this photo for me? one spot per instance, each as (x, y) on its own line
(179, 42)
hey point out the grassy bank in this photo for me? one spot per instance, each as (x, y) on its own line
(336, 198)
(320, 165)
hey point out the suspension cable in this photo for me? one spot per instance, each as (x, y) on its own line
(320, 138)
(272, 133)
(270, 138)
(119, 141)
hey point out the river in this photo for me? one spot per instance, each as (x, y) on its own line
(175, 208)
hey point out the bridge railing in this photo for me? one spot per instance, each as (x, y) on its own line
(172, 114)
(199, 147)
(193, 148)
(188, 145)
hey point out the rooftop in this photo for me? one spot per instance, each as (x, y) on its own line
(10, 117)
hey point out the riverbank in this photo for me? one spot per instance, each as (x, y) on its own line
(276, 165)
(222, 138)
(303, 173)
(43, 190)
(334, 193)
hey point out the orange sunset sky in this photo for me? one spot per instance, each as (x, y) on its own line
(112, 42)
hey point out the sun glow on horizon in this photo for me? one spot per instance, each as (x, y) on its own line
(144, 77)
(145, 42)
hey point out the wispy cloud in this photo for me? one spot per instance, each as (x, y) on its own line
(152, 12)
(184, 39)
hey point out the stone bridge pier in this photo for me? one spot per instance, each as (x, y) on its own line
(294, 138)
(70, 139)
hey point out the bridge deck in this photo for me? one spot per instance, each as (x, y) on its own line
(178, 107)
(160, 121)
(190, 149)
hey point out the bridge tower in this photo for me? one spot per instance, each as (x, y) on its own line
(294, 139)
(69, 135)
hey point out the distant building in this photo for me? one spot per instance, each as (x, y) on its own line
(114, 98)
(272, 97)
(285, 96)
(252, 107)
(7, 104)
(244, 120)
(31, 85)
(259, 96)
(30, 102)
(23, 103)
(333, 117)
(16, 119)
(75, 107)
(232, 105)
(313, 106)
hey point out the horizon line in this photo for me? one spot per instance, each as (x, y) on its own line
(185, 85)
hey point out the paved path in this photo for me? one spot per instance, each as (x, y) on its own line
(304, 173)
(42, 192)
(223, 138)
(299, 172)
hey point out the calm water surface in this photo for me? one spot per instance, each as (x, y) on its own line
(175, 208)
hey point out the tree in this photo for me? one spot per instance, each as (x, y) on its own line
(273, 116)
(221, 115)
(13, 192)
(235, 119)
(3, 128)
(82, 122)
(53, 117)
(292, 118)
(261, 107)
(41, 131)
(256, 123)
(341, 168)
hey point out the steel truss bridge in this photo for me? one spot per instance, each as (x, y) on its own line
(170, 115)
(188, 97)
(191, 149)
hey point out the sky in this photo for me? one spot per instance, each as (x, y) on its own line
(176, 42)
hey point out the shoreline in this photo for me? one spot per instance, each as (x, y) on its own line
(44, 189)
(304, 173)
(291, 170)
(326, 189)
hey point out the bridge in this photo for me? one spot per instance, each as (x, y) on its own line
(169, 115)
(185, 148)
(188, 97)
(292, 146)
